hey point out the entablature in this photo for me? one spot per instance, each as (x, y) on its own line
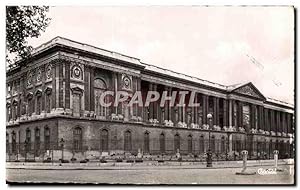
(182, 86)
(96, 63)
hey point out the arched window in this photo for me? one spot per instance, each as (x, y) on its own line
(47, 138)
(7, 142)
(190, 144)
(281, 148)
(265, 146)
(99, 88)
(104, 140)
(38, 105)
(146, 142)
(14, 142)
(176, 142)
(271, 147)
(212, 144)
(14, 110)
(30, 104)
(37, 139)
(28, 139)
(201, 144)
(259, 147)
(162, 144)
(127, 141)
(77, 139)
(38, 95)
(223, 143)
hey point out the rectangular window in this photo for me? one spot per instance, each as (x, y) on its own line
(76, 104)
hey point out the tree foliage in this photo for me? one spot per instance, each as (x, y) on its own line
(23, 22)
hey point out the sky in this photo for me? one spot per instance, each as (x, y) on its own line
(212, 43)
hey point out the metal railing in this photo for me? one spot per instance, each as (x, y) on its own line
(154, 149)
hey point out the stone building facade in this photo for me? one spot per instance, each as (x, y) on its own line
(54, 100)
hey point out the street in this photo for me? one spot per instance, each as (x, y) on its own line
(154, 176)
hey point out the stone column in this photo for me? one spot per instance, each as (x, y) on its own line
(86, 90)
(140, 109)
(19, 104)
(215, 111)
(225, 113)
(279, 125)
(270, 114)
(262, 123)
(166, 107)
(218, 111)
(273, 127)
(252, 116)
(237, 122)
(170, 107)
(283, 124)
(67, 85)
(230, 113)
(276, 123)
(155, 104)
(288, 122)
(179, 108)
(196, 109)
(118, 87)
(275, 120)
(115, 89)
(258, 117)
(204, 108)
(60, 85)
(266, 125)
(134, 89)
(183, 114)
(192, 119)
(151, 103)
(54, 88)
(92, 93)
(43, 98)
(239, 114)
(234, 113)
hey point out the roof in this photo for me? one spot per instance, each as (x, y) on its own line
(85, 47)
(115, 55)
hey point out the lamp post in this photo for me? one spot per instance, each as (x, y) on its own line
(62, 149)
(209, 153)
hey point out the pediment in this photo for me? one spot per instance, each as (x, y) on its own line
(249, 90)
(77, 89)
(38, 92)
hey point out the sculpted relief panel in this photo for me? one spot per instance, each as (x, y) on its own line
(247, 90)
(126, 82)
(76, 71)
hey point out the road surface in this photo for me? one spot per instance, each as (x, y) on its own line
(153, 176)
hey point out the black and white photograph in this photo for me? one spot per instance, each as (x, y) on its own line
(150, 95)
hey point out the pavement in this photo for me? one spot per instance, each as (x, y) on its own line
(141, 166)
(154, 176)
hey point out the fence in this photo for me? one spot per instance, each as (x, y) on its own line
(154, 149)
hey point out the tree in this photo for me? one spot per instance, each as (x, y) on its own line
(23, 22)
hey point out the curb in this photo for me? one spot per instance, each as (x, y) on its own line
(131, 167)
